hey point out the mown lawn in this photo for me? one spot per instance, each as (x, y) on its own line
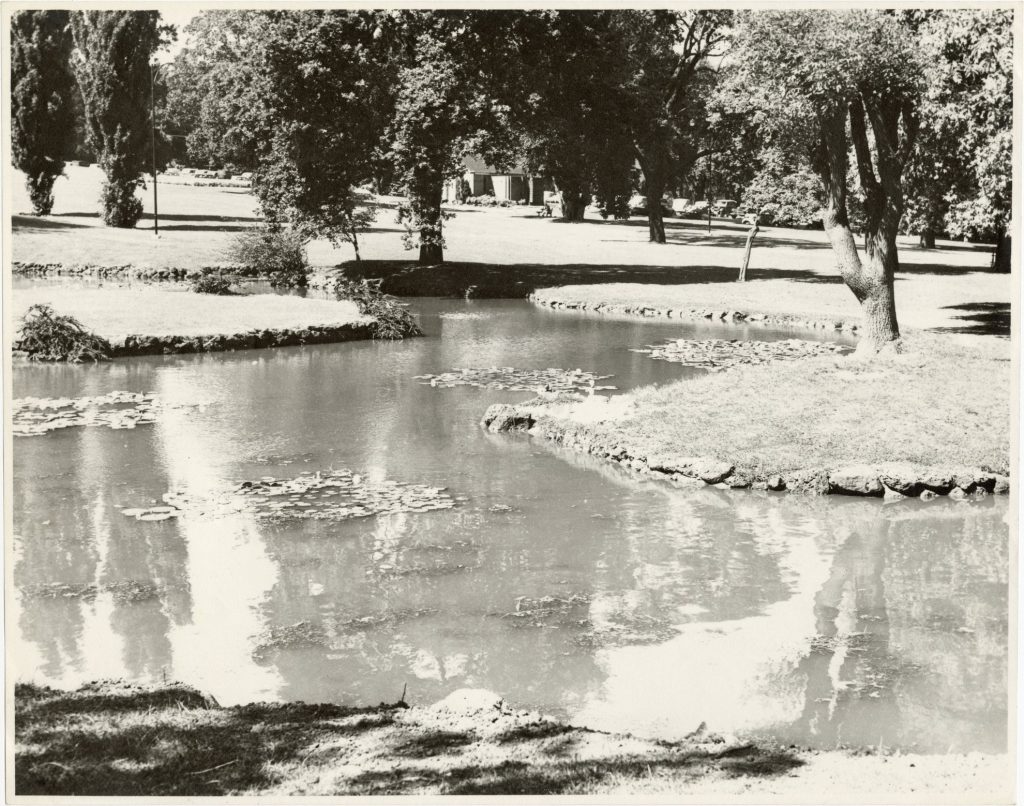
(940, 403)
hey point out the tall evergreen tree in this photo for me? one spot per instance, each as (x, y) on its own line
(111, 63)
(42, 124)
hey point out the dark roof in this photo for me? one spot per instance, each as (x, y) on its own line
(477, 166)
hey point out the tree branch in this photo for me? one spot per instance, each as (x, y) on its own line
(858, 131)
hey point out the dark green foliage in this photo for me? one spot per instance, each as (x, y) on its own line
(46, 336)
(783, 196)
(457, 68)
(321, 128)
(575, 107)
(210, 282)
(275, 253)
(112, 53)
(42, 123)
(960, 176)
(300, 97)
(215, 89)
(393, 319)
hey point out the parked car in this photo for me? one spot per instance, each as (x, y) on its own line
(723, 207)
(699, 209)
(638, 206)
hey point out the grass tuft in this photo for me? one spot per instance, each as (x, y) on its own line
(393, 318)
(47, 336)
(210, 283)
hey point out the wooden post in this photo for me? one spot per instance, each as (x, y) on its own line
(746, 253)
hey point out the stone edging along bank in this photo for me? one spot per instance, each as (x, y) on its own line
(283, 337)
(891, 481)
(125, 270)
(785, 320)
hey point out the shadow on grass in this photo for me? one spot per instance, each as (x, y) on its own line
(27, 223)
(111, 740)
(985, 318)
(487, 280)
(945, 270)
(165, 742)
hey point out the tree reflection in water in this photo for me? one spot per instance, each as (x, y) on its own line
(560, 581)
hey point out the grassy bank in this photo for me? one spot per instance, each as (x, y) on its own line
(115, 739)
(941, 407)
(145, 320)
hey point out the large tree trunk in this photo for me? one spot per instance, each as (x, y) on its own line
(870, 280)
(927, 239)
(654, 164)
(575, 198)
(431, 254)
(425, 196)
(1004, 249)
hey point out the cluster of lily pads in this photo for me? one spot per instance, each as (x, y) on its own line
(32, 416)
(718, 354)
(511, 379)
(330, 495)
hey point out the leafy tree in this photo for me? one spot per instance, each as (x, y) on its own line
(822, 80)
(42, 123)
(783, 195)
(326, 102)
(961, 173)
(572, 108)
(215, 89)
(111, 63)
(455, 71)
(666, 56)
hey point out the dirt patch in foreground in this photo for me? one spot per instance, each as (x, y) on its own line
(118, 739)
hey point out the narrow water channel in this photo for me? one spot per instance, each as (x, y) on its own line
(558, 581)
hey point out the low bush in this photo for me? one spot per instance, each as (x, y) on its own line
(277, 254)
(47, 336)
(212, 283)
(393, 319)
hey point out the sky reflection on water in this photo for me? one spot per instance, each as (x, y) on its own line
(561, 582)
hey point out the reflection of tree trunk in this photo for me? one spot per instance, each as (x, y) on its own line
(837, 715)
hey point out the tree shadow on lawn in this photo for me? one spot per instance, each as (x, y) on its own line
(513, 281)
(30, 223)
(989, 318)
(138, 745)
(555, 776)
(176, 742)
(944, 269)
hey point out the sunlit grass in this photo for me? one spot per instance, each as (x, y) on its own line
(939, 403)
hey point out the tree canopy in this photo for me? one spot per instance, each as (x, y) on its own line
(111, 61)
(42, 115)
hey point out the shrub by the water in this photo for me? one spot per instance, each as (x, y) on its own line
(210, 283)
(277, 254)
(47, 336)
(393, 319)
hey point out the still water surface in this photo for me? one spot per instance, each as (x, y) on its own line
(558, 581)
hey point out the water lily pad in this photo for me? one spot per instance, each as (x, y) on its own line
(551, 379)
